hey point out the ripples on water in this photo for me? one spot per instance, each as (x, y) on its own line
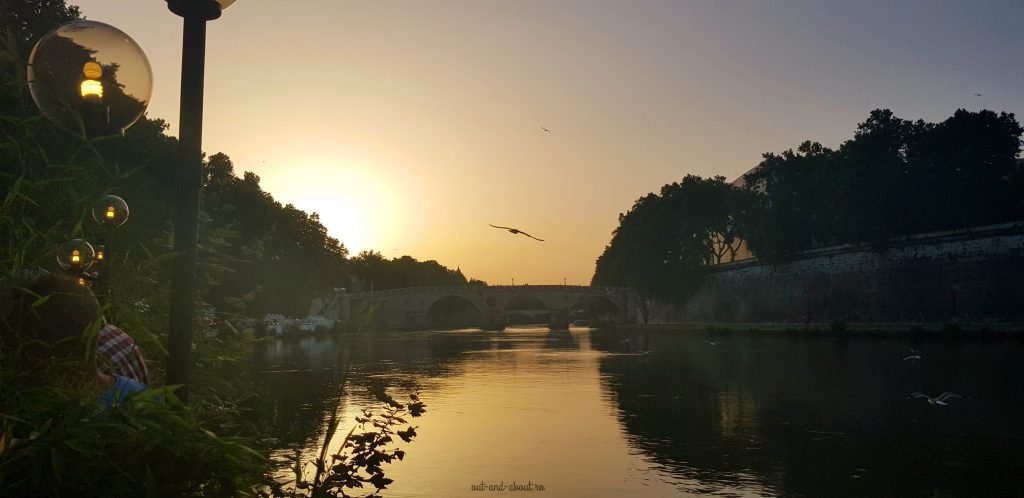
(672, 412)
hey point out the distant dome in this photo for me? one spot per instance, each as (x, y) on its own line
(741, 181)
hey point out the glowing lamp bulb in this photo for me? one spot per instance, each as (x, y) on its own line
(92, 88)
(76, 257)
(111, 212)
(81, 281)
(99, 255)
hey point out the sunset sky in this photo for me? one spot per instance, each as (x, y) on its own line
(409, 126)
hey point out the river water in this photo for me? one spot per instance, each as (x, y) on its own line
(651, 413)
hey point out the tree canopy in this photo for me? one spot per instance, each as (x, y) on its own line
(256, 255)
(372, 271)
(664, 239)
(894, 177)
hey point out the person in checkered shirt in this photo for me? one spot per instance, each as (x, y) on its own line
(119, 355)
(45, 325)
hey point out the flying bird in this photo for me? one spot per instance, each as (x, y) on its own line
(938, 400)
(514, 231)
(977, 95)
(913, 356)
(545, 129)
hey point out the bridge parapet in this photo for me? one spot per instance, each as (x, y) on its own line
(410, 306)
(490, 288)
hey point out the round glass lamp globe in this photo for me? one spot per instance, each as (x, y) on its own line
(111, 211)
(90, 77)
(76, 255)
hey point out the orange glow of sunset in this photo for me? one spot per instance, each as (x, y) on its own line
(356, 202)
(411, 126)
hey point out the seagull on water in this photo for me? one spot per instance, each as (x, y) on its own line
(938, 400)
(514, 231)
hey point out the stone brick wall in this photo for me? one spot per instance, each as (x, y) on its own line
(974, 275)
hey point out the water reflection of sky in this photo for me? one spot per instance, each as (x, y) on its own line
(601, 413)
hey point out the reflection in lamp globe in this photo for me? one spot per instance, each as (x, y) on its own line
(90, 77)
(76, 255)
(111, 211)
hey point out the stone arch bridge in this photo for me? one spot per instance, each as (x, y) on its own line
(490, 306)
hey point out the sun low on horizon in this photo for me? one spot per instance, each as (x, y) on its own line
(357, 204)
(409, 127)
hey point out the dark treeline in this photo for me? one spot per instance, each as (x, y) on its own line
(894, 177)
(256, 255)
(372, 271)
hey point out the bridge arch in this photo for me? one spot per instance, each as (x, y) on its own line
(596, 308)
(526, 308)
(453, 312)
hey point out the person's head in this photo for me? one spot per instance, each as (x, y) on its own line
(49, 318)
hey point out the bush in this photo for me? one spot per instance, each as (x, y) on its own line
(63, 443)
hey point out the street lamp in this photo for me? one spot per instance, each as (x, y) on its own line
(75, 256)
(188, 182)
(90, 77)
(110, 212)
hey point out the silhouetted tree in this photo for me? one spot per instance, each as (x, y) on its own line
(962, 171)
(22, 23)
(375, 272)
(794, 205)
(663, 241)
(894, 177)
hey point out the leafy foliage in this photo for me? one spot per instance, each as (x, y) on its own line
(373, 271)
(364, 451)
(66, 444)
(272, 257)
(255, 254)
(664, 240)
(894, 177)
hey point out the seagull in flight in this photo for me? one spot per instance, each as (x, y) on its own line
(514, 231)
(938, 400)
(913, 356)
(977, 95)
(545, 129)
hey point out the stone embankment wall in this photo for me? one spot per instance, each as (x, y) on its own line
(966, 276)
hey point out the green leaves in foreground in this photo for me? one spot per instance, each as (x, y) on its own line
(151, 444)
(365, 450)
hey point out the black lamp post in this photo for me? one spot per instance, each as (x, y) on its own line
(188, 182)
(110, 212)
